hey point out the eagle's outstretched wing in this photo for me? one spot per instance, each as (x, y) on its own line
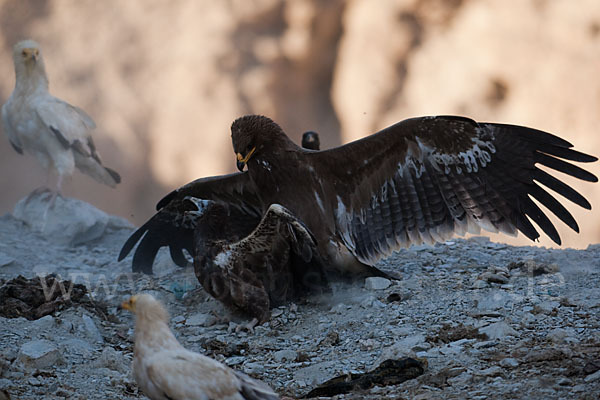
(174, 223)
(425, 179)
(276, 262)
(235, 189)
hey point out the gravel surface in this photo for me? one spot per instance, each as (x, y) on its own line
(489, 321)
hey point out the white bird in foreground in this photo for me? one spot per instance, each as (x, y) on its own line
(55, 132)
(165, 370)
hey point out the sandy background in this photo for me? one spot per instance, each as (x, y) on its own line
(165, 79)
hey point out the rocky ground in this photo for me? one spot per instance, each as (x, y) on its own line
(488, 320)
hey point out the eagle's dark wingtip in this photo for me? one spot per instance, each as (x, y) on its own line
(166, 200)
(143, 258)
(177, 256)
(131, 242)
(143, 268)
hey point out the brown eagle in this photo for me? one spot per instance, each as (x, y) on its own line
(276, 262)
(421, 180)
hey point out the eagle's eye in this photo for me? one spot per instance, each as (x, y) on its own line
(24, 53)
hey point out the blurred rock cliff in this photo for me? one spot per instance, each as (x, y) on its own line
(165, 79)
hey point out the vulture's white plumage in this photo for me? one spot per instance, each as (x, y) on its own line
(165, 370)
(56, 133)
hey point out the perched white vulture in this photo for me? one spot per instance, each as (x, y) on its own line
(55, 132)
(165, 370)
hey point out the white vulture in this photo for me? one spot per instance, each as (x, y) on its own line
(165, 370)
(56, 133)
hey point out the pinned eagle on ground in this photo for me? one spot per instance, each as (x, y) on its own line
(421, 180)
(277, 261)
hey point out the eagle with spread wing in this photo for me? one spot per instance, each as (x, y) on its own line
(55, 132)
(421, 180)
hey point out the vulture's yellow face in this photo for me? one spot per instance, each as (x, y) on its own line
(30, 54)
(130, 304)
(27, 52)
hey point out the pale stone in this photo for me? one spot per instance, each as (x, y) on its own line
(285, 355)
(69, 221)
(377, 283)
(509, 363)
(91, 329)
(200, 319)
(39, 354)
(498, 330)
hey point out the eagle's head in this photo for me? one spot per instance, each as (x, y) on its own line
(256, 136)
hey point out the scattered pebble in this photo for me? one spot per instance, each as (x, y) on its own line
(377, 283)
(593, 377)
(491, 371)
(200, 319)
(564, 381)
(509, 363)
(479, 284)
(45, 323)
(39, 354)
(91, 329)
(112, 359)
(498, 330)
(285, 355)
(557, 335)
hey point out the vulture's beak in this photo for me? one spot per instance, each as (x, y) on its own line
(31, 55)
(241, 160)
(129, 304)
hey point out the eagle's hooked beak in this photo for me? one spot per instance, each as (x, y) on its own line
(241, 161)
